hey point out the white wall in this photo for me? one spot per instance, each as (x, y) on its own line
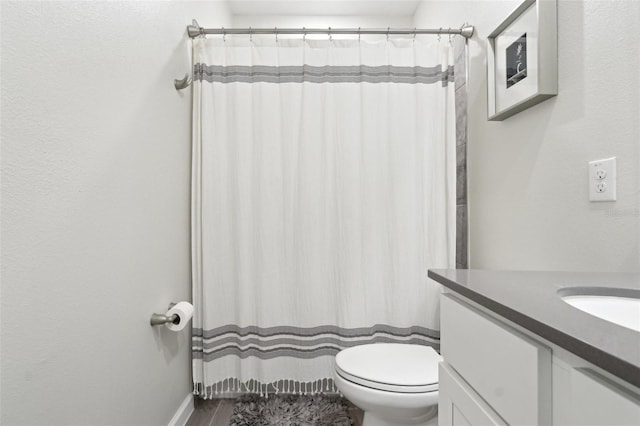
(321, 21)
(95, 186)
(528, 197)
(95, 209)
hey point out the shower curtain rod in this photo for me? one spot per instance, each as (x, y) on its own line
(195, 30)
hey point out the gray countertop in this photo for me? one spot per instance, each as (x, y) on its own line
(530, 299)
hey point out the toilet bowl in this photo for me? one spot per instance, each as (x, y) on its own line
(394, 384)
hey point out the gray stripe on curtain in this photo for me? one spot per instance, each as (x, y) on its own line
(298, 342)
(232, 340)
(314, 331)
(323, 74)
(296, 351)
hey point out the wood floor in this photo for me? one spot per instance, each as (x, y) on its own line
(217, 412)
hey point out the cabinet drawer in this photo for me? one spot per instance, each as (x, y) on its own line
(511, 372)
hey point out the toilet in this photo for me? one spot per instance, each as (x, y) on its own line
(394, 384)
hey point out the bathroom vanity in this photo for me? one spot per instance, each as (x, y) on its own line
(516, 353)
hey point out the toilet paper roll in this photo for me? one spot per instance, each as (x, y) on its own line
(184, 311)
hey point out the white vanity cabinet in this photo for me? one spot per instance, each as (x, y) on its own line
(507, 375)
(494, 374)
(584, 397)
(459, 404)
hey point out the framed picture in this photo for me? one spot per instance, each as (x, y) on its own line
(522, 59)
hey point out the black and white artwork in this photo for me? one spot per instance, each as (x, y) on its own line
(522, 59)
(517, 61)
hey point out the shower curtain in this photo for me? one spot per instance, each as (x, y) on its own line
(323, 190)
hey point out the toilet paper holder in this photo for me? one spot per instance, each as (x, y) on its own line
(160, 319)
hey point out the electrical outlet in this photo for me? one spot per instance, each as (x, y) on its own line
(602, 180)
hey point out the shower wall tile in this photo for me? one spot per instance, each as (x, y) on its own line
(461, 185)
(461, 155)
(461, 174)
(459, 53)
(461, 237)
(461, 115)
(462, 222)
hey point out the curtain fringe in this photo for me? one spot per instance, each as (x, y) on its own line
(233, 386)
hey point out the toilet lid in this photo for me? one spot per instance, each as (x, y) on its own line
(391, 367)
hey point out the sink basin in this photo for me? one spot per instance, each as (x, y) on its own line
(617, 305)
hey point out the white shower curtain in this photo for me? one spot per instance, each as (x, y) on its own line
(323, 190)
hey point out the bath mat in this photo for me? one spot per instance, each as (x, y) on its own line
(290, 410)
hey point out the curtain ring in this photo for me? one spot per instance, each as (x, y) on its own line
(330, 35)
(414, 34)
(250, 35)
(388, 28)
(276, 31)
(439, 34)
(224, 35)
(304, 34)
(359, 34)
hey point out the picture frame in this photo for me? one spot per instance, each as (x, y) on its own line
(522, 59)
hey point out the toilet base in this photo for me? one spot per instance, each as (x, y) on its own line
(382, 408)
(429, 419)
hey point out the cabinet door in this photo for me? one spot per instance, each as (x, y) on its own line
(510, 371)
(459, 405)
(597, 401)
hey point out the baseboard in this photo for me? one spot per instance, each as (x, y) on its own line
(184, 412)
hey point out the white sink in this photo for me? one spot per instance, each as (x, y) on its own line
(619, 306)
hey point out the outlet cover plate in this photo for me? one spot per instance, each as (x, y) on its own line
(602, 180)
